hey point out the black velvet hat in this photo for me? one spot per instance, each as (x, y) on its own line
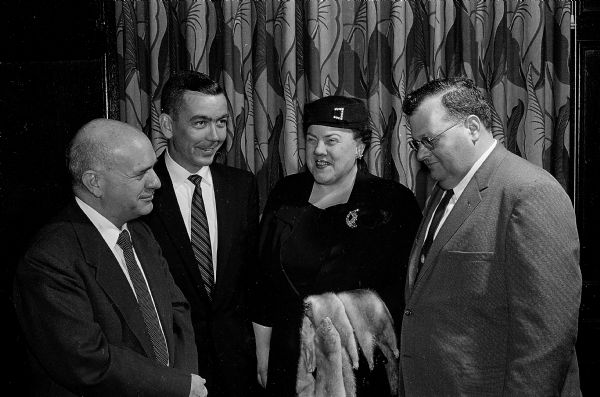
(336, 111)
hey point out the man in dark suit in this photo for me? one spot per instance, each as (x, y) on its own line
(205, 219)
(98, 307)
(494, 284)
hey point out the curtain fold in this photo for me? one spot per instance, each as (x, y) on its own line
(273, 56)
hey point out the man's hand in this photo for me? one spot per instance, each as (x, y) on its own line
(197, 388)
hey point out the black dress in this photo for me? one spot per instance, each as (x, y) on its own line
(305, 250)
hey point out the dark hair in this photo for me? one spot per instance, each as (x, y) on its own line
(188, 80)
(364, 134)
(461, 98)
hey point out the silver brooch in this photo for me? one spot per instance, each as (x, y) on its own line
(351, 218)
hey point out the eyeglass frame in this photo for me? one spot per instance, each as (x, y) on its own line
(429, 143)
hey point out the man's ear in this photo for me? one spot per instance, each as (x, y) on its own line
(166, 125)
(474, 124)
(91, 180)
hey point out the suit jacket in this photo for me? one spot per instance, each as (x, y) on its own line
(223, 329)
(81, 320)
(494, 308)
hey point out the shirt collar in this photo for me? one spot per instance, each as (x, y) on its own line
(107, 229)
(458, 189)
(179, 175)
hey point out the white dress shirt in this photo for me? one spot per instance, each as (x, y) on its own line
(184, 191)
(460, 188)
(110, 233)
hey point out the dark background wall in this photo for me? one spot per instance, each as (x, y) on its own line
(52, 80)
(58, 71)
(586, 155)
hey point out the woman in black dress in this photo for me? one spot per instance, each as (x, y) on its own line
(331, 229)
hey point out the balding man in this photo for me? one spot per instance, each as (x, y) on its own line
(98, 307)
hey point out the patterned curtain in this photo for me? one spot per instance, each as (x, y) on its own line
(273, 56)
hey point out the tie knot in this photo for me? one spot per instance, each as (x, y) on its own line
(195, 179)
(124, 240)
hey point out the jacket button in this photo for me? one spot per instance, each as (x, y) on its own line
(408, 312)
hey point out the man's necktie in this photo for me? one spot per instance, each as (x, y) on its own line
(201, 237)
(159, 344)
(435, 222)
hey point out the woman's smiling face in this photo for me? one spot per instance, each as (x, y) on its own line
(331, 153)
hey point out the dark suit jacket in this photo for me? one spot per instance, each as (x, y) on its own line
(494, 308)
(81, 320)
(223, 329)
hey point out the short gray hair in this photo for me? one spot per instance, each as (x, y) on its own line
(84, 154)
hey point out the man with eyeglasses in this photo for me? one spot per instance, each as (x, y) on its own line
(494, 286)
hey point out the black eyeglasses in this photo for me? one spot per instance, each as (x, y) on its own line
(428, 142)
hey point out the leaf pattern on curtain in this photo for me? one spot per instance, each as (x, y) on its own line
(273, 56)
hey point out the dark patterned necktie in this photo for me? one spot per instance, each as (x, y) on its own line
(159, 344)
(200, 237)
(437, 217)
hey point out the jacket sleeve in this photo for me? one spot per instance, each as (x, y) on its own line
(60, 326)
(262, 297)
(544, 289)
(185, 352)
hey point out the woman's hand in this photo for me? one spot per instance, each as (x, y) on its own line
(262, 336)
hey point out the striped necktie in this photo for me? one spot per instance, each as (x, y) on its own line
(159, 344)
(200, 237)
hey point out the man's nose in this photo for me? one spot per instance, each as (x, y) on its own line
(154, 182)
(422, 152)
(214, 133)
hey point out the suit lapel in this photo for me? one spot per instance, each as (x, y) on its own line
(110, 276)
(470, 198)
(167, 208)
(413, 262)
(225, 226)
(155, 277)
(468, 201)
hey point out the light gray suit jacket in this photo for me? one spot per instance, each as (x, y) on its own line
(494, 308)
